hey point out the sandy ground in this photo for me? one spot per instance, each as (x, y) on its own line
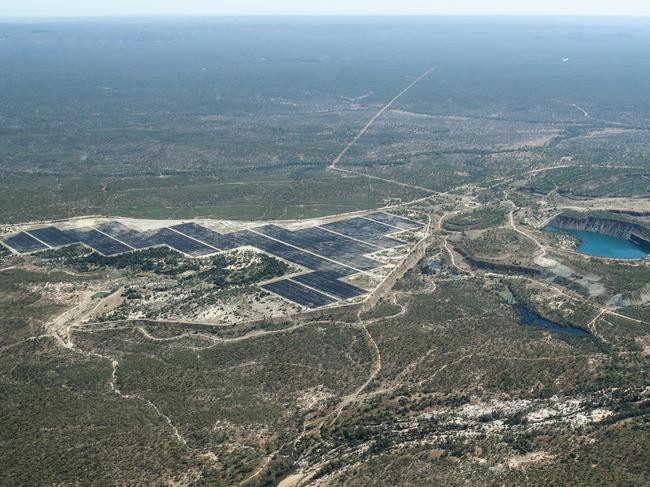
(221, 226)
(291, 480)
(520, 461)
(633, 204)
(85, 309)
(590, 282)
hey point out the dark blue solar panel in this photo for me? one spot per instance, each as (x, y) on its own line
(360, 228)
(101, 243)
(52, 236)
(336, 247)
(298, 293)
(184, 244)
(394, 220)
(23, 243)
(210, 237)
(385, 242)
(279, 249)
(131, 237)
(328, 283)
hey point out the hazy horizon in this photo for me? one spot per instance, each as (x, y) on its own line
(191, 8)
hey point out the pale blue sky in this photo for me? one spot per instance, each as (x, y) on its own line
(66, 8)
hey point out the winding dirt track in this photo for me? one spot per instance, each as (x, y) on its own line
(511, 223)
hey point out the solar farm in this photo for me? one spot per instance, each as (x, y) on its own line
(329, 254)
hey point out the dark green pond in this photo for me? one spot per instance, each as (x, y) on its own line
(530, 318)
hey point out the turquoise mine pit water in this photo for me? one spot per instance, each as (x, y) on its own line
(599, 245)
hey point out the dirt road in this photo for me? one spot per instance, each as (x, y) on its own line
(372, 120)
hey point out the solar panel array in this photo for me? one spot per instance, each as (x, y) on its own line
(331, 251)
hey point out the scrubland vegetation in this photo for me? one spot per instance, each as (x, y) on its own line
(153, 368)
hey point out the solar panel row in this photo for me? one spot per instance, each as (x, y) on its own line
(183, 243)
(210, 237)
(52, 236)
(298, 293)
(23, 242)
(164, 236)
(394, 220)
(332, 251)
(109, 239)
(134, 238)
(101, 243)
(336, 247)
(385, 242)
(360, 228)
(329, 283)
(291, 254)
(98, 241)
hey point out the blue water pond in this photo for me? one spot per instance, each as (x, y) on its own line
(599, 245)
